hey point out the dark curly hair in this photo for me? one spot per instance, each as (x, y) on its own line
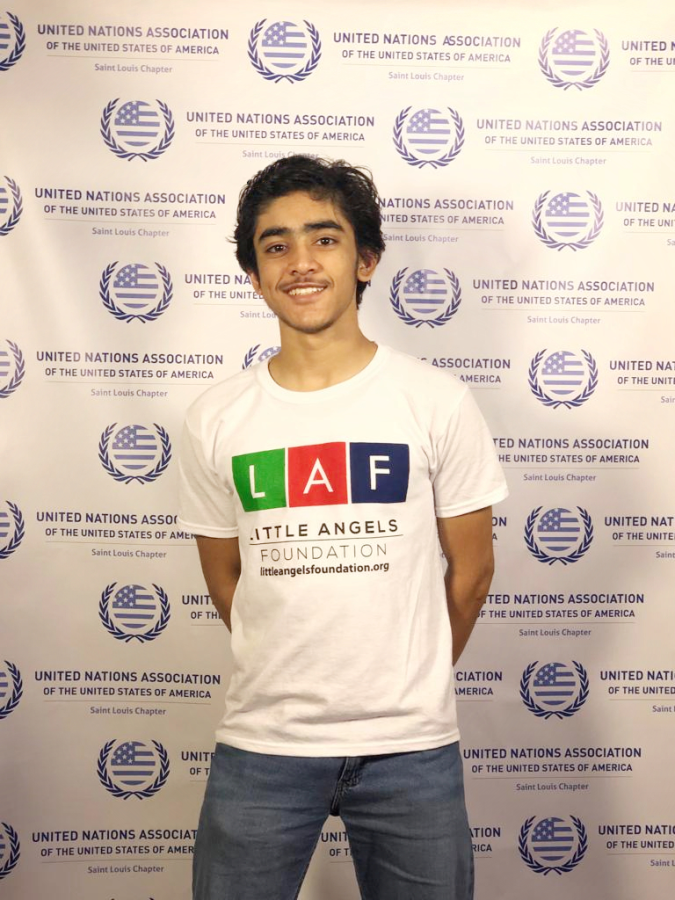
(350, 188)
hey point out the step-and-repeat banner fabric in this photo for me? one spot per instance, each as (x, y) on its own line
(523, 154)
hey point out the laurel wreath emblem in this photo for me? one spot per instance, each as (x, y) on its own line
(572, 862)
(13, 858)
(17, 691)
(555, 80)
(19, 43)
(541, 711)
(543, 397)
(111, 143)
(19, 531)
(454, 151)
(121, 476)
(544, 557)
(123, 793)
(403, 314)
(112, 308)
(17, 209)
(157, 629)
(276, 77)
(540, 231)
(19, 371)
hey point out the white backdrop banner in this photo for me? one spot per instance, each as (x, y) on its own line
(523, 152)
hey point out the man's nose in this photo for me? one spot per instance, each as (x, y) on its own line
(302, 260)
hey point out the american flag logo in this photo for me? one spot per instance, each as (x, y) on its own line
(5, 364)
(552, 839)
(558, 530)
(428, 132)
(563, 373)
(134, 607)
(134, 448)
(133, 764)
(137, 124)
(4, 684)
(3, 844)
(425, 291)
(284, 46)
(554, 685)
(5, 201)
(567, 216)
(136, 287)
(6, 524)
(6, 36)
(574, 53)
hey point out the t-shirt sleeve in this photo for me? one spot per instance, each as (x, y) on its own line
(205, 503)
(467, 474)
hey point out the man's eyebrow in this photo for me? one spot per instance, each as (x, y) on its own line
(280, 231)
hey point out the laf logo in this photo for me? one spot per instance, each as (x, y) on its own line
(322, 475)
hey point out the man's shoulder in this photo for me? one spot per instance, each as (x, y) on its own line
(222, 395)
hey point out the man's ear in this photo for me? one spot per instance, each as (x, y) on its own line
(367, 264)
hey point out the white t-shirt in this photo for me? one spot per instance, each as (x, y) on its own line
(340, 633)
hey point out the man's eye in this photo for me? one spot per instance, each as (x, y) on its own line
(325, 241)
(275, 248)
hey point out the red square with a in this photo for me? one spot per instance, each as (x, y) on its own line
(317, 475)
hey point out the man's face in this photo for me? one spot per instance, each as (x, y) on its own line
(308, 263)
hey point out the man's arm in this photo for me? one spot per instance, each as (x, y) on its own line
(221, 566)
(467, 544)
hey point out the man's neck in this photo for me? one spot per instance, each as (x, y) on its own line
(317, 361)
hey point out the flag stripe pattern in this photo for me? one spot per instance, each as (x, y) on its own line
(135, 286)
(567, 215)
(133, 763)
(5, 524)
(134, 448)
(425, 290)
(552, 839)
(573, 53)
(137, 124)
(558, 530)
(563, 373)
(283, 45)
(554, 684)
(134, 607)
(428, 131)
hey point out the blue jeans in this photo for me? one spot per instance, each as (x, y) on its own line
(404, 814)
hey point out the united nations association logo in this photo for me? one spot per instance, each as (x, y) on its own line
(554, 689)
(562, 378)
(573, 58)
(138, 291)
(552, 844)
(132, 768)
(11, 205)
(12, 368)
(425, 296)
(134, 612)
(11, 688)
(12, 528)
(284, 51)
(558, 535)
(9, 849)
(12, 40)
(137, 129)
(429, 137)
(134, 452)
(567, 220)
(253, 356)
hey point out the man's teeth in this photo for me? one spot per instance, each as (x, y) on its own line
(308, 290)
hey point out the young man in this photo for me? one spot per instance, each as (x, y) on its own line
(318, 486)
